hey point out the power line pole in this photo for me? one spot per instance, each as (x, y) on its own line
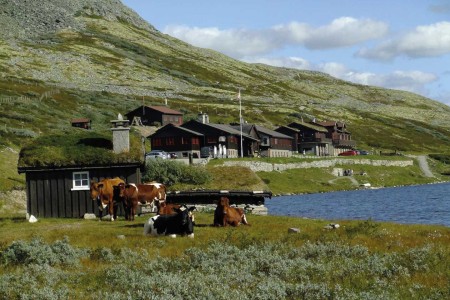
(240, 121)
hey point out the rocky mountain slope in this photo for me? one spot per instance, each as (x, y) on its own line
(95, 58)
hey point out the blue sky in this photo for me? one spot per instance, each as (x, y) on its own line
(394, 44)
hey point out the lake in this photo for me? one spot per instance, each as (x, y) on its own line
(421, 204)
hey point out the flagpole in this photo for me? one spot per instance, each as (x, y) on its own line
(240, 121)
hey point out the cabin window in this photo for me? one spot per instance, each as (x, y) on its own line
(156, 142)
(80, 181)
(195, 141)
(170, 141)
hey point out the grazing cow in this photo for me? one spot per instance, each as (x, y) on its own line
(103, 193)
(129, 193)
(179, 223)
(225, 215)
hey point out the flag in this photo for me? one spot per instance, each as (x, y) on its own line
(239, 95)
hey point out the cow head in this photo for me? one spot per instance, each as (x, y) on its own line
(120, 189)
(186, 218)
(224, 201)
(96, 190)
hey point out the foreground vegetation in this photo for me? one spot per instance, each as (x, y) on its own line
(68, 259)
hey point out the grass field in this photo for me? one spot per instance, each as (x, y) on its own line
(73, 258)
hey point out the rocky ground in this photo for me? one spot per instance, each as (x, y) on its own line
(13, 201)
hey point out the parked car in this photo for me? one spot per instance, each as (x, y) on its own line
(348, 153)
(157, 154)
(206, 152)
(363, 152)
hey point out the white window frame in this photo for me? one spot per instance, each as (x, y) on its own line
(80, 187)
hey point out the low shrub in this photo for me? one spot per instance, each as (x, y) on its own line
(171, 172)
(443, 158)
(37, 252)
(267, 270)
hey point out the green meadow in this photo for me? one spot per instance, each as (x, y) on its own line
(88, 259)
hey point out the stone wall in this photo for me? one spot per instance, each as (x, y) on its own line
(257, 166)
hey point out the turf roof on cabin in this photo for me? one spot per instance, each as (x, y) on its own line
(78, 147)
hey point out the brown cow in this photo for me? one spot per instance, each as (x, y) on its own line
(164, 208)
(151, 193)
(225, 215)
(129, 194)
(103, 193)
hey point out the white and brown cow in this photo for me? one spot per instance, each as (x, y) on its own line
(151, 193)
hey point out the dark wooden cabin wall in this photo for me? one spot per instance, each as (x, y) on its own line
(50, 195)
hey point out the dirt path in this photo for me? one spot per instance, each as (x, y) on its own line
(423, 164)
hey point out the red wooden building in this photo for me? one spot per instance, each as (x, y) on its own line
(155, 115)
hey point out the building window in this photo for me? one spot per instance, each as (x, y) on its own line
(80, 181)
(156, 142)
(184, 141)
(195, 141)
(170, 141)
(211, 139)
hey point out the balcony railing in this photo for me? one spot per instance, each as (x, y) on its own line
(344, 143)
(315, 140)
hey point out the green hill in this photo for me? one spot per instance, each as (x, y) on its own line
(66, 59)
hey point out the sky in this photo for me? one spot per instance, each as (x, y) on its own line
(401, 44)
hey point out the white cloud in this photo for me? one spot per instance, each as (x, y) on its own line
(238, 43)
(233, 42)
(345, 31)
(424, 41)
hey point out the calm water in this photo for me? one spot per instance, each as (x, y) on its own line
(423, 204)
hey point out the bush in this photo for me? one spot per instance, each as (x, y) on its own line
(170, 172)
(443, 158)
(37, 252)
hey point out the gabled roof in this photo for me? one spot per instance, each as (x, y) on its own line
(222, 127)
(246, 128)
(310, 126)
(272, 133)
(169, 126)
(166, 110)
(162, 109)
(296, 130)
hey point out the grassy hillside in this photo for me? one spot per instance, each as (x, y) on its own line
(96, 59)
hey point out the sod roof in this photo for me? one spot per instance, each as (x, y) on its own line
(78, 147)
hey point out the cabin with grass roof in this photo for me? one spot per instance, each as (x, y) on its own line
(59, 168)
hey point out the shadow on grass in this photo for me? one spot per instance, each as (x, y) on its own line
(13, 219)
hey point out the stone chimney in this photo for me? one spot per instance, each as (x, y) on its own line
(121, 135)
(203, 118)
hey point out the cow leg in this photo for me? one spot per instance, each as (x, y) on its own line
(224, 221)
(115, 208)
(132, 212)
(111, 209)
(244, 220)
(100, 208)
